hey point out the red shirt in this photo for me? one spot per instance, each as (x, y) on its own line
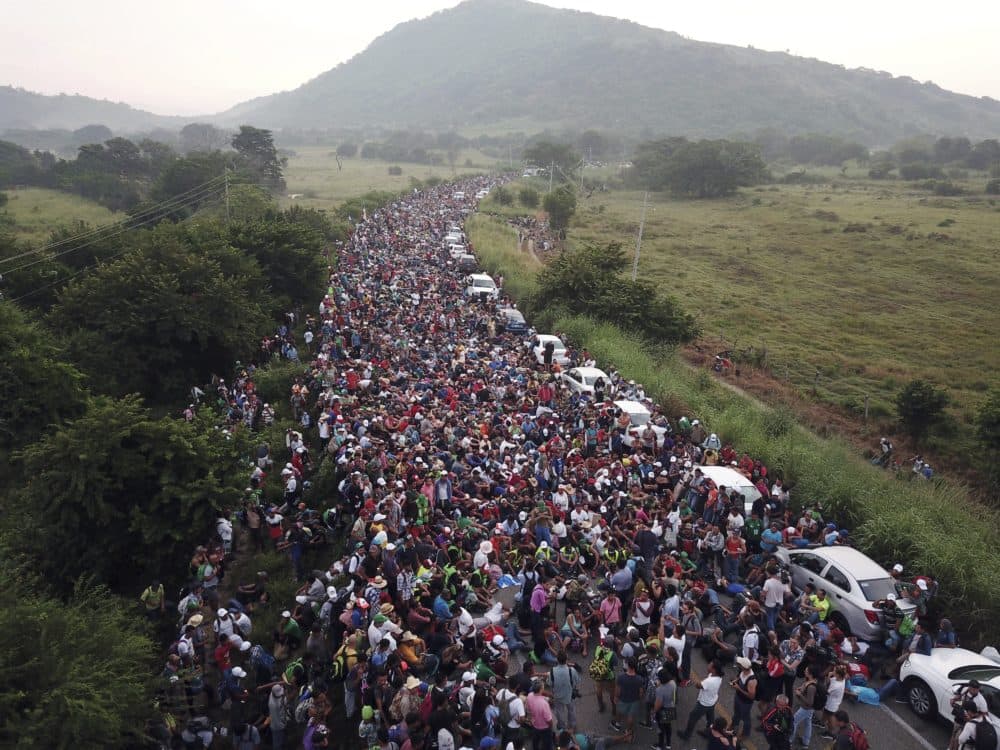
(222, 655)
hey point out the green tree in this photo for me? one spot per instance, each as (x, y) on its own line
(713, 169)
(38, 388)
(92, 134)
(503, 196)
(546, 154)
(920, 405)
(529, 197)
(76, 673)
(589, 280)
(201, 136)
(193, 180)
(347, 150)
(258, 155)
(161, 317)
(560, 205)
(118, 494)
(288, 246)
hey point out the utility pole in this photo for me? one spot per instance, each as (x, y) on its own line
(638, 241)
(552, 172)
(227, 194)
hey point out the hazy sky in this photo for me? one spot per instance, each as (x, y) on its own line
(189, 57)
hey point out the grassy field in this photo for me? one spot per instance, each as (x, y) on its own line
(932, 526)
(868, 284)
(313, 173)
(37, 212)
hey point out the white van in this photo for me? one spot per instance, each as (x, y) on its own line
(725, 476)
(481, 286)
(456, 249)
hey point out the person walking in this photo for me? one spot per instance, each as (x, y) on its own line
(805, 703)
(777, 724)
(665, 705)
(708, 697)
(539, 718)
(745, 687)
(628, 690)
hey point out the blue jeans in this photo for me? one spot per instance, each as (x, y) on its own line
(514, 641)
(803, 716)
(772, 617)
(741, 715)
(731, 567)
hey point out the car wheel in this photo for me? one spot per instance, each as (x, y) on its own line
(838, 619)
(920, 698)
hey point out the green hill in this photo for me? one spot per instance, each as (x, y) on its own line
(489, 62)
(20, 109)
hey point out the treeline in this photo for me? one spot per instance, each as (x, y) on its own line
(121, 174)
(100, 492)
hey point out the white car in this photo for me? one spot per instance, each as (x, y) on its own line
(929, 682)
(481, 286)
(456, 250)
(639, 416)
(582, 379)
(728, 477)
(537, 345)
(853, 583)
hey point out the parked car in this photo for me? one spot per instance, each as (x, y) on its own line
(467, 262)
(727, 477)
(481, 286)
(582, 379)
(929, 682)
(537, 345)
(853, 583)
(458, 196)
(513, 320)
(639, 416)
(456, 250)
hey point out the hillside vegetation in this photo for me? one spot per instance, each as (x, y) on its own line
(480, 63)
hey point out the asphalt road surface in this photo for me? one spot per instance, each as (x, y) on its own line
(891, 726)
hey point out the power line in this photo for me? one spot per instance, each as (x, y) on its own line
(99, 261)
(110, 227)
(164, 211)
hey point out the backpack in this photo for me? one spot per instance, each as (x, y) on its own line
(504, 706)
(819, 700)
(859, 740)
(600, 667)
(986, 736)
(302, 710)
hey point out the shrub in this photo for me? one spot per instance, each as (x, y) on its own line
(529, 197)
(503, 196)
(993, 187)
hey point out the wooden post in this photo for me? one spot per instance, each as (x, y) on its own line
(866, 408)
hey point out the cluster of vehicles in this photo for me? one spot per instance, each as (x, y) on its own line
(853, 581)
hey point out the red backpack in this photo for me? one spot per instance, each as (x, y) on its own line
(859, 740)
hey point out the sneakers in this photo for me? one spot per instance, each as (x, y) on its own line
(827, 736)
(646, 724)
(616, 725)
(655, 747)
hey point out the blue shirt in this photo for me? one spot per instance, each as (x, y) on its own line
(770, 539)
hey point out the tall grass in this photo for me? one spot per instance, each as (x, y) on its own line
(931, 527)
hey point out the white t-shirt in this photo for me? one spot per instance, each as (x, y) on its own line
(677, 643)
(516, 706)
(466, 626)
(751, 645)
(709, 693)
(774, 592)
(835, 695)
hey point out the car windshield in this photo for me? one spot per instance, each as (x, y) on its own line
(483, 283)
(877, 588)
(981, 672)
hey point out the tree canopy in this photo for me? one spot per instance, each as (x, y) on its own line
(116, 493)
(588, 280)
(702, 169)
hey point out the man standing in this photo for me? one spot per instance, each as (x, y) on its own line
(778, 724)
(708, 696)
(628, 691)
(774, 596)
(564, 681)
(540, 718)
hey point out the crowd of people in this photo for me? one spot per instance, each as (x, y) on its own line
(503, 548)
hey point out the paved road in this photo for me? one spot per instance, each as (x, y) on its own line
(891, 726)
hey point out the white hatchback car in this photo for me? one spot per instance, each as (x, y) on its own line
(638, 417)
(582, 379)
(481, 286)
(929, 682)
(853, 583)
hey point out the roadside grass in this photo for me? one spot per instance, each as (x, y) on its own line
(313, 173)
(37, 212)
(931, 527)
(868, 284)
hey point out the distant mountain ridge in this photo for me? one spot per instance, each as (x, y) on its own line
(517, 65)
(494, 61)
(21, 109)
